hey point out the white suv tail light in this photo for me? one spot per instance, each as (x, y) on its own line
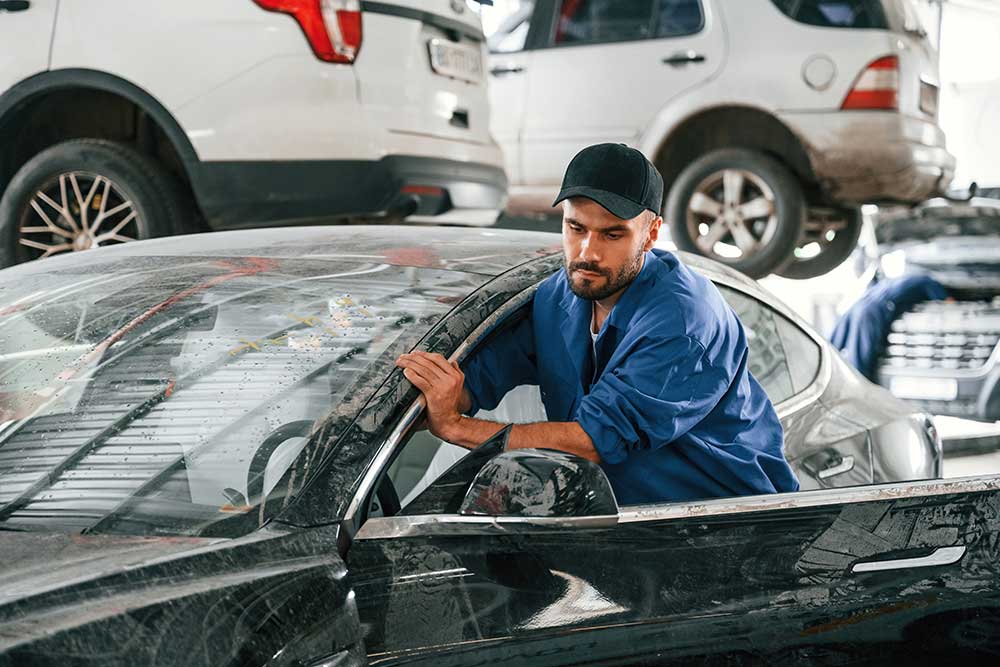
(332, 27)
(877, 87)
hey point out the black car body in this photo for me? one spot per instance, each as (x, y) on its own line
(945, 355)
(212, 461)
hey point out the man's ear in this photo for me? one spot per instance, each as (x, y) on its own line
(654, 233)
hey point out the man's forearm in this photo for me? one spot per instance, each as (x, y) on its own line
(568, 437)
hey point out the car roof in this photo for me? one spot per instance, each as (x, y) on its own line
(484, 251)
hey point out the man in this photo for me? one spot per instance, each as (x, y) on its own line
(861, 333)
(642, 365)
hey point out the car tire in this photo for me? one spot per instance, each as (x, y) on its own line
(700, 197)
(832, 252)
(107, 175)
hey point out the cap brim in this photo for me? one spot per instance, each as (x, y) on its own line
(618, 206)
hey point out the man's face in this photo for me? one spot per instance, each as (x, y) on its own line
(603, 253)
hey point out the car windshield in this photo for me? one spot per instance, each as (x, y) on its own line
(171, 394)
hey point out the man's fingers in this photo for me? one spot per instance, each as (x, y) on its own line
(418, 380)
(427, 368)
(442, 364)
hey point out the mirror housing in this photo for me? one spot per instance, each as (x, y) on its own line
(539, 483)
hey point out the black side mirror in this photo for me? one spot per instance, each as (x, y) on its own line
(539, 483)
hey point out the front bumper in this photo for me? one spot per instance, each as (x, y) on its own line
(254, 194)
(874, 156)
(976, 397)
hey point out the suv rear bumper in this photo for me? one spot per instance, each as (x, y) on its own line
(252, 194)
(874, 156)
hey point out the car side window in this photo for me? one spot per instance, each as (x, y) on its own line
(425, 457)
(676, 18)
(835, 13)
(783, 358)
(607, 21)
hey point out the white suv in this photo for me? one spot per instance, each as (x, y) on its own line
(123, 119)
(770, 120)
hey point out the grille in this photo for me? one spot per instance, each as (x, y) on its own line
(944, 335)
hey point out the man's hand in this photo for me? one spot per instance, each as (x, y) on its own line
(443, 385)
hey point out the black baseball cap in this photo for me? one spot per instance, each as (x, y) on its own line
(615, 176)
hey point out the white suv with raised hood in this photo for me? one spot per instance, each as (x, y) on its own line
(771, 121)
(123, 119)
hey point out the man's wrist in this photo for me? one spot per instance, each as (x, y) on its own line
(452, 430)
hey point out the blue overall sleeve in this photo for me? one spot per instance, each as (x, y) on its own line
(662, 389)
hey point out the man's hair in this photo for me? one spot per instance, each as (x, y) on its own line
(647, 218)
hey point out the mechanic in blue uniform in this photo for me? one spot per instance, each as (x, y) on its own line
(641, 363)
(861, 333)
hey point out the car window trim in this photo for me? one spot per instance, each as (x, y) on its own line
(399, 433)
(378, 528)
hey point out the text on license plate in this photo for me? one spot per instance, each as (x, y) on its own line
(455, 60)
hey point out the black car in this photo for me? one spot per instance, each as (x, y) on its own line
(945, 355)
(207, 457)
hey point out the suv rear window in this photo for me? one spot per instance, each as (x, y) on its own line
(836, 13)
(603, 21)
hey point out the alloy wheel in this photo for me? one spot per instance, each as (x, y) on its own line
(77, 211)
(732, 215)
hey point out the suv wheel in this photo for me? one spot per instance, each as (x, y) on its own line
(82, 194)
(828, 238)
(737, 206)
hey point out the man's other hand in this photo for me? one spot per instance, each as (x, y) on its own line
(442, 383)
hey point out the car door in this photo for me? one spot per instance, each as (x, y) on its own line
(26, 29)
(605, 68)
(877, 571)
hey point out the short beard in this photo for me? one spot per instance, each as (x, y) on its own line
(614, 282)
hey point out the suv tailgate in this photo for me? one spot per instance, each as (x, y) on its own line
(421, 69)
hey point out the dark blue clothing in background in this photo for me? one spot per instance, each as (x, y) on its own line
(862, 331)
(671, 406)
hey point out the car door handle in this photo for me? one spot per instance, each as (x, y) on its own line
(506, 69)
(940, 556)
(683, 58)
(845, 464)
(14, 5)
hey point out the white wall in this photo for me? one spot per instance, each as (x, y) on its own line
(970, 91)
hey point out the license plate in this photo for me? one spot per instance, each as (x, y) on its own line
(927, 389)
(455, 60)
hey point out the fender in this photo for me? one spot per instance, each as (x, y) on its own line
(680, 111)
(85, 78)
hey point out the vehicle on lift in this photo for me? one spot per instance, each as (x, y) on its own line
(945, 355)
(208, 457)
(120, 121)
(771, 121)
